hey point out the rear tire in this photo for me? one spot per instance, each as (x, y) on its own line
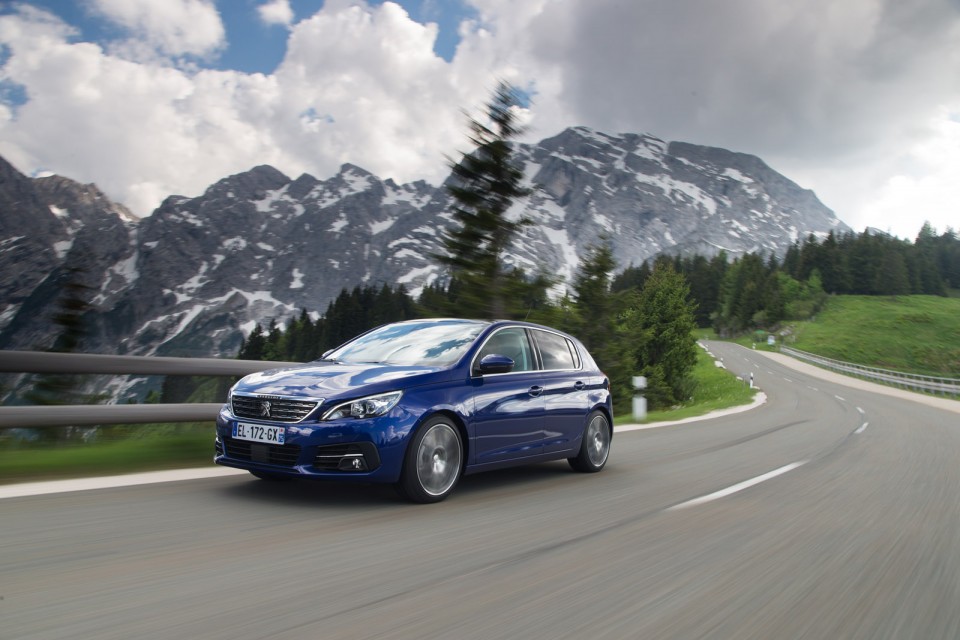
(433, 462)
(595, 445)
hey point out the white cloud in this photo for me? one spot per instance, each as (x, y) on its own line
(171, 27)
(140, 131)
(822, 90)
(276, 12)
(359, 84)
(925, 186)
(848, 98)
(827, 93)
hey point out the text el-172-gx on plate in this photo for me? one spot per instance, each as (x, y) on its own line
(259, 433)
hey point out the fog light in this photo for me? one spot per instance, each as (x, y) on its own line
(352, 464)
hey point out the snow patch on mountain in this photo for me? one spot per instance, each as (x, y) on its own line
(339, 225)
(297, 282)
(62, 248)
(383, 225)
(235, 243)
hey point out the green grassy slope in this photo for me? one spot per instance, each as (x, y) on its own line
(917, 334)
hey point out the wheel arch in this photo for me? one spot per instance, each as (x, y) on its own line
(461, 429)
(605, 410)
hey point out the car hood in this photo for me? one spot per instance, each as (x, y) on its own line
(333, 379)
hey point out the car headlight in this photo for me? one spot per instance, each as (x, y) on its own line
(368, 407)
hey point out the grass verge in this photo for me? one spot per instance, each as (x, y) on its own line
(714, 389)
(172, 448)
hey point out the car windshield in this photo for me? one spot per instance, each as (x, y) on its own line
(430, 343)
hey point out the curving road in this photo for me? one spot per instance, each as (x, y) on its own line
(828, 512)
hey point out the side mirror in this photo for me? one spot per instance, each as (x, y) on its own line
(495, 363)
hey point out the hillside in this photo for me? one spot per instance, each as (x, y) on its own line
(916, 334)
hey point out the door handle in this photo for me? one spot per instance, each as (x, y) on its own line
(535, 391)
(578, 385)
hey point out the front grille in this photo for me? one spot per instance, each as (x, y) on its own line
(274, 409)
(337, 457)
(284, 455)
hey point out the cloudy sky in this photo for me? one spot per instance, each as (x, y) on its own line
(858, 100)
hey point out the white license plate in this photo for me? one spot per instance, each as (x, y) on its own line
(259, 433)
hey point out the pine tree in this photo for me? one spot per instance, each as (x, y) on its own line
(596, 315)
(594, 303)
(254, 345)
(61, 388)
(660, 327)
(486, 183)
(631, 278)
(892, 278)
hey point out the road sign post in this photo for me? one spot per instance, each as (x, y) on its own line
(639, 401)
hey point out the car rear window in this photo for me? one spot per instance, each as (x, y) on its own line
(557, 352)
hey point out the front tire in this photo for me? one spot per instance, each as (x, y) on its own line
(595, 446)
(433, 462)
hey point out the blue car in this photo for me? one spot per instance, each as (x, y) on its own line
(419, 404)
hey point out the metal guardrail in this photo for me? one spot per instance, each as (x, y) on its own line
(78, 415)
(912, 381)
(95, 414)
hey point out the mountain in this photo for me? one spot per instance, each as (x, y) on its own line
(195, 276)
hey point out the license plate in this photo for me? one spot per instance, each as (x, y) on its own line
(259, 433)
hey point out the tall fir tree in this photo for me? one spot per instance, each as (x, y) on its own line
(63, 388)
(660, 326)
(596, 319)
(486, 184)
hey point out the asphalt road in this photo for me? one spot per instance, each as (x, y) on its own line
(828, 512)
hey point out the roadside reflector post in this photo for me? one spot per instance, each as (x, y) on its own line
(639, 401)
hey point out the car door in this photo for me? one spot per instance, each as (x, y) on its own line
(509, 407)
(565, 391)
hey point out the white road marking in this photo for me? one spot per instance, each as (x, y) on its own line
(108, 482)
(861, 411)
(862, 428)
(746, 484)
(840, 399)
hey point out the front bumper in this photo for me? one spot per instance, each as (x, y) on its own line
(365, 450)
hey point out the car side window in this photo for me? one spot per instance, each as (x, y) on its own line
(513, 343)
(556, 351)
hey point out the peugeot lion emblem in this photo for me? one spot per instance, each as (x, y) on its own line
(265, 409)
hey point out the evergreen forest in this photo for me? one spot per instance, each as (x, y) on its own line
(631, 321)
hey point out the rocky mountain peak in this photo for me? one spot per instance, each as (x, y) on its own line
(197, 275)
(252, 184)
(83, 200)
